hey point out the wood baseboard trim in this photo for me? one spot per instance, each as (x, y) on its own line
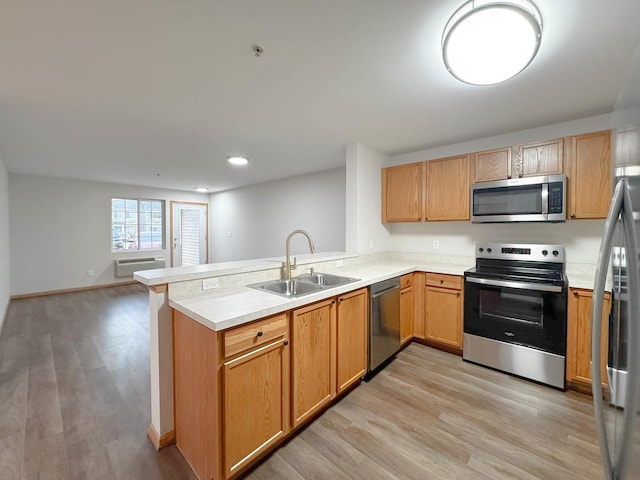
(71, 290)
(438, 346)
(159, 442)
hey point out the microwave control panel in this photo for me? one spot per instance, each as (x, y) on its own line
(556, 197)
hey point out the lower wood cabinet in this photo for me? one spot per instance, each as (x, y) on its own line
(406, 308)
(313, 366)
(256, 399)
(419, 294)
(443, 310)
(579, 336)
(351, 350)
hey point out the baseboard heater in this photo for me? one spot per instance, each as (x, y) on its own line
(124, 267)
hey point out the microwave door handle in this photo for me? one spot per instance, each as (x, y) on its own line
(633, 282)
(596, 318)
(545, 198)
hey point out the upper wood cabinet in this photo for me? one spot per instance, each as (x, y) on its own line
(540, 158)
(447, 195)
(492, 165)
(352, 318)
(590, 181)
(402, 189)
(531, 159)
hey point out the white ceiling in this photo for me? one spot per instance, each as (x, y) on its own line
(121, 91)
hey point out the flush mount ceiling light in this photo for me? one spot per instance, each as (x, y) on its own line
(202, 189)
(487, 42)
(238, 161)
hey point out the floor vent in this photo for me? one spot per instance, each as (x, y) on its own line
(125, 267)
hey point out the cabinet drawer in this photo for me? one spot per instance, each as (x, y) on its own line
(242, 338)
(444, 281)
(406, 280)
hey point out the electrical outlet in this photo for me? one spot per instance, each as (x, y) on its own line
(339, 263)
(371, 244)
(210, 283)
(229, 234)
(89, 273)
(436, 244)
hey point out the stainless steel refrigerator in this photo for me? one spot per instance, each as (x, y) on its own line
(617, 407)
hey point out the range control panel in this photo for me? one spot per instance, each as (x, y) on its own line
(528, 252)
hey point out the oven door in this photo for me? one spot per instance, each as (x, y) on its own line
(528, 314)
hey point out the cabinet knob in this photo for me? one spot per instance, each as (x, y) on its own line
(441, 282)
(458, 294)
(520, 175)
(286, 342)
(333, 302)
(341, 299)
(259, 334)
(573, 215)
(509, 176)
(575, 293)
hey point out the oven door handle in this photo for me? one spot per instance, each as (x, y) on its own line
(512, 284)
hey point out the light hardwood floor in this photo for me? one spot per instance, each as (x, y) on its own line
(74, 399)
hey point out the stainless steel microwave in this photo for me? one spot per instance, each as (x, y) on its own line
(528, 199)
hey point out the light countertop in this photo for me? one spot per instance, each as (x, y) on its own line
(232, 307)
(226, 308)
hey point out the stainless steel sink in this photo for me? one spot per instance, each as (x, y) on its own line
(326, 279)
(304, 285)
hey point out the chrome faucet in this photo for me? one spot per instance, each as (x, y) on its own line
(287, 265)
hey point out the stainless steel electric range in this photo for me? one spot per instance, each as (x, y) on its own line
(515, 311)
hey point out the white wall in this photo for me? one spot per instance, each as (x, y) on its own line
(4, 242)
(365, 232)
(62, 228)
(260, 217)
(581, 238)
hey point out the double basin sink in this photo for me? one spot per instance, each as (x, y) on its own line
(303, 285)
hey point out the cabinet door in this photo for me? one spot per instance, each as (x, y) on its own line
(402, 193)
(256, 396)
(444, 316)
(448, 189)
(579, 336)
(351, 338)
(590, 180)
(492, 165)
(313, 368)
(406, 314)
(419, 294)
(540, 158)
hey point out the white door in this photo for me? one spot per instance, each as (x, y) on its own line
(189, 234)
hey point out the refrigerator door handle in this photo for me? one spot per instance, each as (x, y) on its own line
(621, 205)
(596, 319)
(633, 283)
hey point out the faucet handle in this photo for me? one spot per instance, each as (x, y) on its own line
(294, 265)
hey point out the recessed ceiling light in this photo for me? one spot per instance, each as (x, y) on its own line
(202, 189)
(238, 161)
(488, 41)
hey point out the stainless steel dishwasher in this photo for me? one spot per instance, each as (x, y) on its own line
(384, 321)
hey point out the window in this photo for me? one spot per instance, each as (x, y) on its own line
(137, 224)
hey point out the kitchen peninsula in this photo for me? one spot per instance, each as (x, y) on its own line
(177, 295)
